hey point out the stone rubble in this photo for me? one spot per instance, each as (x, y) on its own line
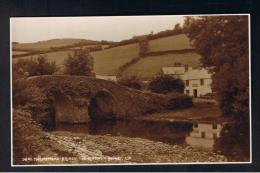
(117, 149)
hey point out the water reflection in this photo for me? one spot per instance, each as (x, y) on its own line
(197, 135)
(203, 135)
(168, 132)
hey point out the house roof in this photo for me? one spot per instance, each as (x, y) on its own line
(196, 74)
(173, 70)
(106, 77)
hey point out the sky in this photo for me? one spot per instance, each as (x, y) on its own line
(111, 28)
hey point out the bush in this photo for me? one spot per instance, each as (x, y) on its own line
(27, 134)
(33, 67)
(165, 83)
(143, 47)
(234, 141)
(29, 139)
(179, 101)
(80, 63)
(131, 82)
(24, 93)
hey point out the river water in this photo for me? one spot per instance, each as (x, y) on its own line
(197, 135)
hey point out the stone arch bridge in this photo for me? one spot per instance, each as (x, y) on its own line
(78, 99)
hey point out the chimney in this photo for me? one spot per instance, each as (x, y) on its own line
(186, 68)
(177, 64)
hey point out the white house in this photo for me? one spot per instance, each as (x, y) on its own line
(197, 82)
(110, 78)
(203, 135)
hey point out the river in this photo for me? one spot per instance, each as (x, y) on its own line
(196, 135)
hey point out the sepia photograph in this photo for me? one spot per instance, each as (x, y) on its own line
(129, 90)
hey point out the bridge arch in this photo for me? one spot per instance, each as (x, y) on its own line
(102, 105)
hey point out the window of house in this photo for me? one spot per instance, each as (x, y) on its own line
(202, 134)
(214, 126)
(187, 82)
(214, 136)
(188, 92)
(201, 81)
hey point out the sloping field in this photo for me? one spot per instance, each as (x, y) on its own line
(45, 45)
(19, 52)
(57, 57)
(176, 42)
(108, 61)
(151, 65)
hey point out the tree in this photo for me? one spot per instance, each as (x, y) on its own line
(80, 63)
(21, 92)
(42, 67)
(222, 42)
(143, 46)
(165, 84)
(33, 67)
(177, 29)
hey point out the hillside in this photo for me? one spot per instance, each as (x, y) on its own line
(108, 61)
(46, 45)
(161, 52)
(149, 66)
(176, 42)
(57, 57)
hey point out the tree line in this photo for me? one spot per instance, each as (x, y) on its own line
(222, 42)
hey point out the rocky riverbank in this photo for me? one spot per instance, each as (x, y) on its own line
(92, 149)
(33, 146)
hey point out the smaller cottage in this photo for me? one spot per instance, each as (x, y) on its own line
(109, 78)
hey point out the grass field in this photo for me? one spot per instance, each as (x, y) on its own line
(203, 110)
(45, 45)
(150, 66)
(57, 57)
(19, 52)
(177, 42)
(108, 61)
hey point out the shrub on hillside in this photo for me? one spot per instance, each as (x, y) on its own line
(143, 47)
(23, 93)
(80, 63)
(30, 141)
(131, 82)
(27, 142)
(179, 101)
(165, 83)
(33, 67)
(229, 143)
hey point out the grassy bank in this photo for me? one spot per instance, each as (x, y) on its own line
(30, 141)
(202, 111)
